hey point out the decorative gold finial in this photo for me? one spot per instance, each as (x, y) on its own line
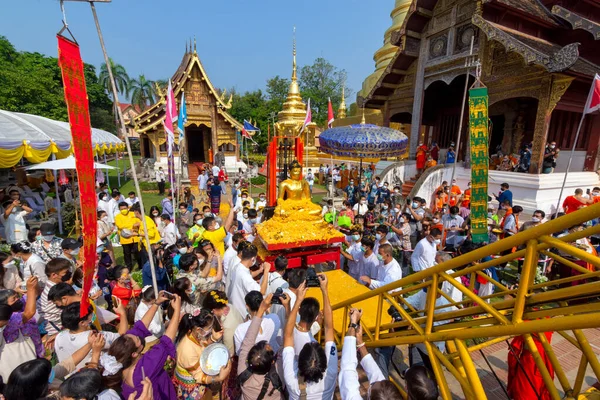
(194, 44)
(342, 107)
(294, 77)
(362, 121)
(186, 47)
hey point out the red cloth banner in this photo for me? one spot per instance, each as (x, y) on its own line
(71, 65)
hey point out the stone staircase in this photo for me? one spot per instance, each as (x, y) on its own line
(193, 172)
(408, 185)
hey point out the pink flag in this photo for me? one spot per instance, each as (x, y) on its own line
(170, 118)
(593, 101)
(308, 118)
(330, 117)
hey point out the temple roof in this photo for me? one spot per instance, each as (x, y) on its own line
(551, 56)
(154, 115)
(534, 50)
(577, 21)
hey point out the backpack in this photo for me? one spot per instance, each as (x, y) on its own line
(271, 377)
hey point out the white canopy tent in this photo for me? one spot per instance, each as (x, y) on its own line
(57, 165)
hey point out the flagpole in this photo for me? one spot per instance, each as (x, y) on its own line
(569, 163)
(124, 132)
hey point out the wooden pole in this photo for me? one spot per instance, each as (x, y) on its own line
(126, 137)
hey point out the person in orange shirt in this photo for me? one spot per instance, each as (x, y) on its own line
(465, 202)
(421, 157)
(441, 199)
(455, 193)
(575, 202)
(596, 195)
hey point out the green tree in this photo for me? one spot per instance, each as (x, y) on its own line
(277, 90)
(32, 83)
(142, 91)
(120, 75)
(319, 82)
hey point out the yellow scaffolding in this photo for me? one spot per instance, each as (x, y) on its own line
(554, 306)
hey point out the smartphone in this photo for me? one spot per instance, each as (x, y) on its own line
(168, 295)
(31, 271)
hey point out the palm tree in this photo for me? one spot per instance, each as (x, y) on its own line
(120, 75)
(142, 91)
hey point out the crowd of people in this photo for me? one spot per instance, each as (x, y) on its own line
(137, 341)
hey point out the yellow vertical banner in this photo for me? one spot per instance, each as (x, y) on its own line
(478, 132)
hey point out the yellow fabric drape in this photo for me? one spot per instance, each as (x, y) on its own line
(10, 158)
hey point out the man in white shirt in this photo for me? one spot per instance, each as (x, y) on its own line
(348, 378)
(77, 329)
(215, 171)
(361, 207)
(310, 178)
(14, 221)
(424, 255)
(131, 199)
(381, 236)
(389, 271)
(113, 206)
(231, 252)
(249, 226)
(448, 288)
(161, 180)
(320, 382)
(262, 202)
(269, 327)
(170, 233)
(453, 226)
(242, 281)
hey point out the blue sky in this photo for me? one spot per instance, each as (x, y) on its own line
(241, 43)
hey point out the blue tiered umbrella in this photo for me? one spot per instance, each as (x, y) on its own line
(363, 141)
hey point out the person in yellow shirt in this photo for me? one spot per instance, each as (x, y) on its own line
(216, 234)
(153, 234)
(129, 227)
(195, 233)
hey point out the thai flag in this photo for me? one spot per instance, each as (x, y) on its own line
(593, 101)
(308, 118)
(330, 117)
(182, 119)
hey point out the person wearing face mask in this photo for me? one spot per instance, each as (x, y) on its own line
(198, 274)
(62, 294)
(104, 205)
(424, 255)
(196, 332)
(351, 192)
(125, 288)
(105, 230)
(504, 195)
(71, 248)
(231, 252)
(347, 211)
(383, 193)
(465, 202)
(269, 329)
(388, 271)
(48, 247)
(361, 207)
(185, 220)
(381, 237)
(413, 208)
(13, 219)
(262, 201)
(225, 315)
(353, 253)
(536, 219)
(242, 281)
(129, 226)
(453, 226)
(29, 263)
(9, 274)
(366, 259)
(249, 226)
(215, 233)
(170, 233)
(194, 234)
(550, 157)
(21, 322)
(421, 157)
(129, 366)
(76, 332)
(167, 204)
(155, 215)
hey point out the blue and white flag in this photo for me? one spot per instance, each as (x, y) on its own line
(249, 127)
(181, 120)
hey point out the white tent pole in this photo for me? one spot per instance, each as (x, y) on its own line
(59, 217)
(106, 172)
(118, 170)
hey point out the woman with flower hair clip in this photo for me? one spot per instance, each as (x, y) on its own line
(196, 331)
(226, 316)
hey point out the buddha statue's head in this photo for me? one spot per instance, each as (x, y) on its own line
(295, 170)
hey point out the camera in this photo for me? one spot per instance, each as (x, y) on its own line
(395, 314)
(277, 296)
(312, 279)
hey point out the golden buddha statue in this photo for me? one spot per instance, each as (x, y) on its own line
(294, 188)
